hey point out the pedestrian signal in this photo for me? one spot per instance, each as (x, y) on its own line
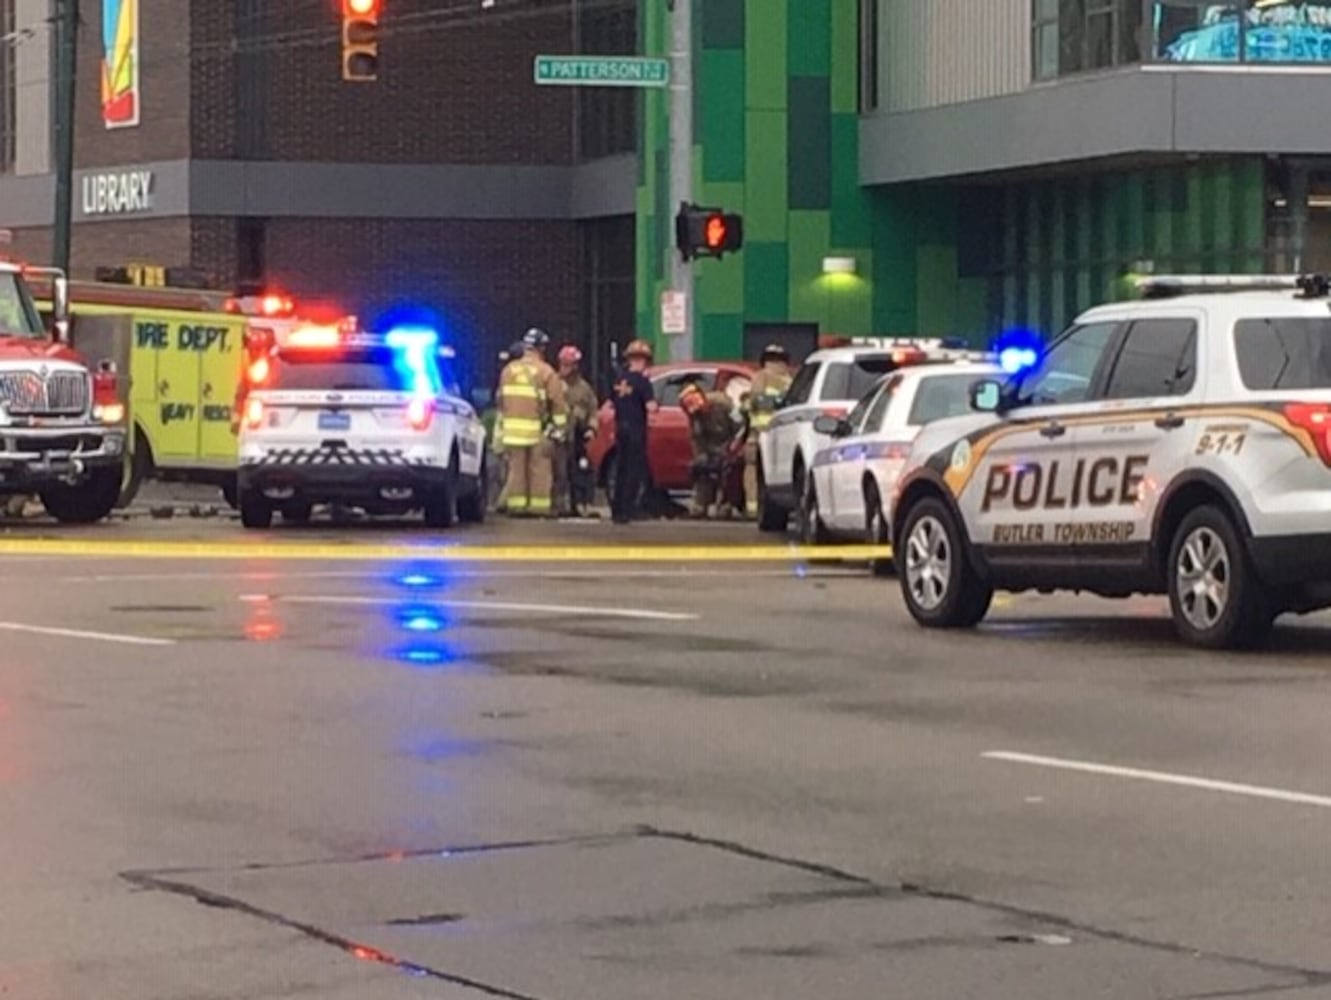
(707, 232)
(360, 40)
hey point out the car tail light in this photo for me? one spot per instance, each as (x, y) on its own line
(419, 413)
(253, 414)
(259, 371)
(1315, 418)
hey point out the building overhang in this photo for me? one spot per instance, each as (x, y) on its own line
(1140, 112)
(280, 189)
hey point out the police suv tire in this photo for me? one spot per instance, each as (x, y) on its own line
(929, 529)
(471, 506)
(255, 511)
(772, 518)
(87, 503)
(812, 530)
(1246, 616)
(441, 503)
(876, 530)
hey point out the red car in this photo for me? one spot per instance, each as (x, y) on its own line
(669, 449)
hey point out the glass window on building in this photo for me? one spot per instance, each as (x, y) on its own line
(1274, 31)
(1079, 36)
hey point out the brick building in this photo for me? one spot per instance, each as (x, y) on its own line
(453, 181)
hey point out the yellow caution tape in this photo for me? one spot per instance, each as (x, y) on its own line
(351, 551)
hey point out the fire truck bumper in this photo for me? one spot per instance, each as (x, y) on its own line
(35, 457)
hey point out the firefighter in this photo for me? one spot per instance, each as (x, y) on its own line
(532, 418)
(716, 425)
(633, 399)
(497, 471)
(760, 402)
(571, 457)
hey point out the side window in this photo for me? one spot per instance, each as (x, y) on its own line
(668, 387)
(802, 385)
(1159, 358)
(1068, 367)
(874, 421)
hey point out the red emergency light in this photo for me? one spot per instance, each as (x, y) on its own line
(361, 8)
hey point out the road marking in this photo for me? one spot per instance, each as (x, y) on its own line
(1164, 778)
(640, 614)
(69, 633)
(353, 552)
(470, 574)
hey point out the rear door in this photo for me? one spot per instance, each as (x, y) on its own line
(847, 485)
(781, 435)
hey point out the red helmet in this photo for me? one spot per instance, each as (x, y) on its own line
(569, 353)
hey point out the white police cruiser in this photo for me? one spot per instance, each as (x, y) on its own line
(1180, 445)
(829, 383)
(338, 416)
(847, 490)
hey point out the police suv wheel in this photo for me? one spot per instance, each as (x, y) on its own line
(471, 507)
(812, 531)
(938, 583)
(441, 503)
(255, 511)
(1215, 597)
(876, 530)
(772, 518)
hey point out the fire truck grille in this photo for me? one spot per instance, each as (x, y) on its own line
(28, 394)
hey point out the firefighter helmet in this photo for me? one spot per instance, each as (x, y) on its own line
(638, 349)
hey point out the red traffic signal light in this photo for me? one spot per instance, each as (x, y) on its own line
(707, 232)
(360, 40)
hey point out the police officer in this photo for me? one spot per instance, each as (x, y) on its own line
(715, 425)
(532, 416)
(633, 399)
(769, 386)
(570, 457)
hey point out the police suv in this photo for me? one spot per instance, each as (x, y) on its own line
(847, 490)
(336, 416)
(829, 383)
(1179, 445)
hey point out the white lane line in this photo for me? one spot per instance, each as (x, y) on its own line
(1164, 778)
(70, 633)
(640, 614)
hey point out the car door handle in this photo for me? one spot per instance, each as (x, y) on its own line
(1169, 422)
(1053, 430)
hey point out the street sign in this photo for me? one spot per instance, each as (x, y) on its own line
(601, 71)
(674, 313)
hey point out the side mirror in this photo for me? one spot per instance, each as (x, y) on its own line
(60, 308)
(987, 396)
(831, 426)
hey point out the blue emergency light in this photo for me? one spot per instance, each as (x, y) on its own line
(1018, 351)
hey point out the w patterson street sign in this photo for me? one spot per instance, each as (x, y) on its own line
(602, 71)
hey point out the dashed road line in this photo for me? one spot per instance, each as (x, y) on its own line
(1163, 778)
(70, 633)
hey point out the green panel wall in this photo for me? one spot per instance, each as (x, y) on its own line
(776, 137)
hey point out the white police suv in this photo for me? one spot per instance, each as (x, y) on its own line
(829, 383)
(1179, 445)
(847, 489)
(337, 416)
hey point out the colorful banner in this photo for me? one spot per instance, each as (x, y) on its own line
(120, 63)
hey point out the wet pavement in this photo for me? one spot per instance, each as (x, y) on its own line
(262, 778)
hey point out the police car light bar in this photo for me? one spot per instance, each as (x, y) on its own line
(1166, 286)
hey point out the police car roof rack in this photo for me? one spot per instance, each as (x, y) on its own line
(1168, 286)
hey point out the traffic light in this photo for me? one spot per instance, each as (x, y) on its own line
(360, 40)
(707, 232)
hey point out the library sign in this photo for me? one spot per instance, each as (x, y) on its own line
(118, 192)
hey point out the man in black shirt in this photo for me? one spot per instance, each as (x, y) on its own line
(633, 399)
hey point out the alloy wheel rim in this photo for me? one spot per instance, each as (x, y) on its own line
(1204, 577)
(928, 563)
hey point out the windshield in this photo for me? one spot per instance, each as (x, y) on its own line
(941, 396)
(852, 379)
(1284, 353)
(18, 314)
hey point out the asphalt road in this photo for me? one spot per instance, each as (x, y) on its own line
(264, 778)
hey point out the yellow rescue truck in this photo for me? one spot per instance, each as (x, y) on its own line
(185, 353)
